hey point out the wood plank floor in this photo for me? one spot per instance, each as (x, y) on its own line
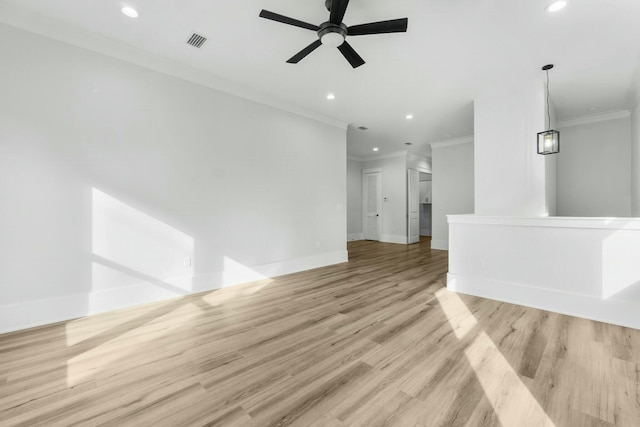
(377, 341)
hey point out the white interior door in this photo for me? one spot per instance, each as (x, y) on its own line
(413, 206)
(372, 204)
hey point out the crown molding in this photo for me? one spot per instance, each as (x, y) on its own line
(419, 155)
(394, 155)
(451, 142)
(594, 118)
(56, 30)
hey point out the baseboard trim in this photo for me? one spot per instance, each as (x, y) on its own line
(442, 245)
(355, 236)
(612, 311)
(391, 238)
(31, 314)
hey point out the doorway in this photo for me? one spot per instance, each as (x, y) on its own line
(425, 186)
(419, 184)
(413, 206)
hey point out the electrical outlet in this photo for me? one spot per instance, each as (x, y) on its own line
(187, 261)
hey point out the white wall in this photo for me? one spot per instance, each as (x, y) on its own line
(453, 187)
(354, 200)
(594, 169)
(635, 160)
(111, 174)
(394, 189)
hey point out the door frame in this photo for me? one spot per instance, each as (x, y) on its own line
(408, 206)
(420, 170)
(364, 201)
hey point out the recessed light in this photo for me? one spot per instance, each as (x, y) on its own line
(130, 12)
(331, 97)
(375, 149)
(556, 6)
(408, 143)
(409, 116)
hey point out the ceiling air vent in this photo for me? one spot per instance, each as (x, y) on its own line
(197, 40)
(363, 127)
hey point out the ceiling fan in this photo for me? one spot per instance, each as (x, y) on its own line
(333, 32)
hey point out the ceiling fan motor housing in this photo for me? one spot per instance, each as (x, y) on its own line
(331, 34)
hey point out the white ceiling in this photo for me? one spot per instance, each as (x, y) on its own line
(452, 49)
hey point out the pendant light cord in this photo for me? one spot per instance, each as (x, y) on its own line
(548, 109)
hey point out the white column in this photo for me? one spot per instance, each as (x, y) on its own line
(510, 177)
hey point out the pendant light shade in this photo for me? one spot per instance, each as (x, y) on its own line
(549, 140)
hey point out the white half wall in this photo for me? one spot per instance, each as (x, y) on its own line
(121, 185)
(594, 169)
(354, 200)
(453, 186)
(585, 267)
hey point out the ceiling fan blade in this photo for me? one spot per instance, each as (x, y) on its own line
(286, 20)
(338, 9)
(382, 27)
(304, 52)
(351, 55)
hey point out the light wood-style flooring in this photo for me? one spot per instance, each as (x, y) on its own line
(377, 341)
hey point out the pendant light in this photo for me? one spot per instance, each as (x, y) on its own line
(549, 140)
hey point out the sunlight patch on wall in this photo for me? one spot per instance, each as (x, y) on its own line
(620, 262)
(105, 278)
(132, 248)
(516, 407)
(235, 273)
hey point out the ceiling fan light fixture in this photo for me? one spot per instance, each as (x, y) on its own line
(129, 11)
(556, 6)
(332, 39)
